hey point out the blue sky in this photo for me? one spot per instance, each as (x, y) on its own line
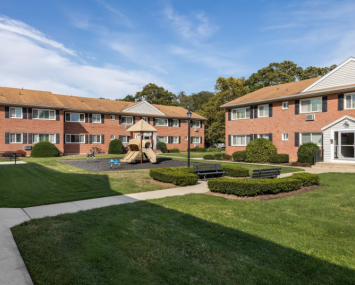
(106, 48)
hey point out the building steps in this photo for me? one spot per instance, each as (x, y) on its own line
(335, 165)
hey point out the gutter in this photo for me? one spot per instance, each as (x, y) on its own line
(32, 105)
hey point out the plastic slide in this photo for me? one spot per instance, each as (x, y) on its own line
(130, 157)
(150, 154)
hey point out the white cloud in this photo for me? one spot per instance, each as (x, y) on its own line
(122, 17)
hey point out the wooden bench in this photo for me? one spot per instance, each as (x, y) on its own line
(209, 170)
(266, 173)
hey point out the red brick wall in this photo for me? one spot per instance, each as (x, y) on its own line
(285, 121)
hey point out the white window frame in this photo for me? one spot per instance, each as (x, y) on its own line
(186, 138)
(173, 140)
(11, 142)
(236, 144)
(112, 137)
(284, 137)
(235, 112)
(352, 96)
(175, 122)
(112, 117)
(268, 111)
(158, 119)
(15, 113)
(194, 123)
(92, 118)
(96, 136)
(127, 139)
(310, 99)
(199, 140)
(49, 119)
(301, 139)
(126, 120)
(80, 135)
(261, 136)
(74, 121)
(145, 119)
(285, 107)
(34, 139)
(166, 139)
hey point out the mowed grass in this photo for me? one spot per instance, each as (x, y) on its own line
(200, 239)
(47, 181)
(192, 154)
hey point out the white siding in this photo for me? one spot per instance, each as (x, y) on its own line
(345, 75)
(144, 108)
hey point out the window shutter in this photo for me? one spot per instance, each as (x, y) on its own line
(29, 113)
(30, 136)
(297, 139)
(86, 118)
(24, 138)
(179, 123)
(57, 117)
(191, 139)
(270, 137)
(169, 123)
(255, 112)
(7, 136)
(297, 107)
(102, 119)
(251, 112)
(270, 110)
(134, 120)
(340, 102)
(229, 114)
(154, 122)
(7, 112)
(119, 120)
(255, 136)
(57, 139)
(148, 120)
(179, 139)
(200, 139)
(24, 113)
(90, 118)
(229, 140)
(102, 139)
(120, 138)
(90, 139)
(86, 139)
(251, 137)
(324, 104)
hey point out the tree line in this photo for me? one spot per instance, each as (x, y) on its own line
(207, 104)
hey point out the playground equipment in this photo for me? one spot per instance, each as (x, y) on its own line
(114, 162)
(90, 155)
(140, 146)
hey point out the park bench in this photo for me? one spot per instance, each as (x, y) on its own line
(208, 170)
(12, 156)
(266, 173)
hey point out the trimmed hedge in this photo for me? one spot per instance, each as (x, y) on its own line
(198, 149)
(208, 156)
(239, 155)
(235, 171)
(44, 149)
(174, 150)
(162, 147)
(115, 147)
(279, 158)
(213, 149)
(178, 176)
(305, 153)
(227, 157)
(219, 156)
(307, 179)
(260, 150)
(252, 187)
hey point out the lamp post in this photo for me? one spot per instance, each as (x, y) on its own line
(189, 140)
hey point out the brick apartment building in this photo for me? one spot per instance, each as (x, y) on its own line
(76, 124)
(320, 110)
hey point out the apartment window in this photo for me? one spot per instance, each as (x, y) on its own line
(74, 138)
(175, 123)
(145, 119)
(241, 113)
(161, 122)
(350, 101)
(285, 105)
(196, 124)
(96, 138)
(240, 140)
(264, 136)
(43, 114)
(186, 138)
(311, 137)
(311, 105)
(36, 138)
(75, 117)
(196, 140)
(15, 138)
(112, 117)
(112, 137)
(16, 113)
(96, 118)
(163, 139)
(125, 139)
(175, 140)
(127, 120)
(285, 137)
(263, 111)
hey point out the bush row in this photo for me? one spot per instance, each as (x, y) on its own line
(182, 176)
(174, 150)
(279, 158)
(218, 156)
(235, 171)
(307, 179)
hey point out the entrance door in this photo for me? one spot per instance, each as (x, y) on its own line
(347, 145)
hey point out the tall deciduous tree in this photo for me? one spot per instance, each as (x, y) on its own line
(154, 94)
(312, 72)
(195, 101)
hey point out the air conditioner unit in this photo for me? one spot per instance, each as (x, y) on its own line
(27, 147)
(196, 144)
(310, 117)
(196, 129)
(126, 127)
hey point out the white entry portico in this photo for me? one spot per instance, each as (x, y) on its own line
(339, 140)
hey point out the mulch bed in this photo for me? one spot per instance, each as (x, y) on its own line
(102, 164)
(269, 196)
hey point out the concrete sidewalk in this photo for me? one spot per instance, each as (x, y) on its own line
(12, 268)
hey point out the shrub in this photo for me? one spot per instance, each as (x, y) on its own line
(178, 176)
(208, 156)
(44, 149)
(214, 149)
(259, 150)
(96, 149)
(198, 149)
(174, 150)
(239, 155)
(162, 147)
(303, 164)
(235, 171)
(227, 157)
(20, 153)
(279, 158)
(218, 156)
(252, 187)
(307, 179)
(115, 147)
(305, 152)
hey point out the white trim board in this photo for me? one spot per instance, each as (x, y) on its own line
(346, 117)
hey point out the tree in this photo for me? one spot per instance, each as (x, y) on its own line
(194, 101)
(128, 98)
(154, 94)
(227, 89)
(312, 72)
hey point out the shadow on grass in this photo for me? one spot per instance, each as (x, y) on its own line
(145, 243)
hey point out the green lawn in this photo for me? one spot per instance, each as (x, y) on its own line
(47, 181)
(200, 239)
(192, 154)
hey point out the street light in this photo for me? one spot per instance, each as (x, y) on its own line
(189, 140)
